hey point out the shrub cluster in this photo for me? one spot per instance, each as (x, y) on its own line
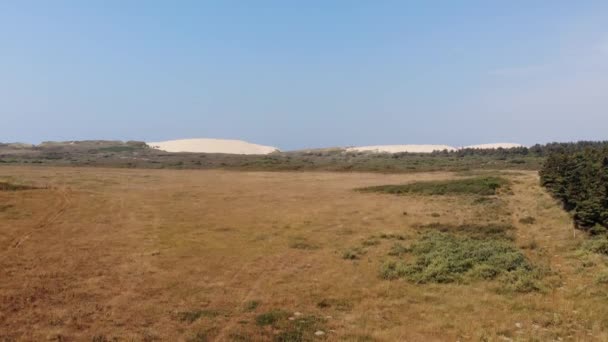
(475, 186)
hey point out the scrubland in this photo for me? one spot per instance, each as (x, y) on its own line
(99, 254)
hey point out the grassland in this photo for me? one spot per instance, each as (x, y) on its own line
(100, 254)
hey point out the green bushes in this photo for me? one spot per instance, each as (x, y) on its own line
(597, 245)
(475, 186)
(442, 257)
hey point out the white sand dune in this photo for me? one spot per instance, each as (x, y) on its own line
(401, 148)
(211, 146)
(495, 145)
(425, 148)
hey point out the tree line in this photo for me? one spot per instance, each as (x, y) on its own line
(577, 174)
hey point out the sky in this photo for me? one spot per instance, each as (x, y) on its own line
(303, 74)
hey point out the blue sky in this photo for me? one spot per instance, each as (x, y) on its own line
(297, 74)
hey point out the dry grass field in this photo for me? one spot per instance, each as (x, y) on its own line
(175, 255)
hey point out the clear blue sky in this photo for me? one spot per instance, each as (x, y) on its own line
(298, 74)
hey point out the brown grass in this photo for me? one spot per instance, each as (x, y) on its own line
(182, 255)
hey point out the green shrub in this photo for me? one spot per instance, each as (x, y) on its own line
(398, 250)
(445, 258)
(597, 245)
(602, 278)
(476, 186)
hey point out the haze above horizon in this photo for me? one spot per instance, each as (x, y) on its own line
(309, 75)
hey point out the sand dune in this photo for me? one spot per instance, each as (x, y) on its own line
(212, 146)
(424, 148)
(401, 148)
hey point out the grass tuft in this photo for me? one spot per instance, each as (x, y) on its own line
(527, 220)
(191, 316)
(251, 305)
(271, 317)
(353, 253)
(302, 243)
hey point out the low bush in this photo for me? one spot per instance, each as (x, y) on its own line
(445, 258)
(597, 244)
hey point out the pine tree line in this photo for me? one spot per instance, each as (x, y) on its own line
(578, 176)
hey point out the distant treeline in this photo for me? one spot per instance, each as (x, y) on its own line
(577, 174)
(537, 150)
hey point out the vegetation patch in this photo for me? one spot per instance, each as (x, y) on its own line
(6, 186)
(251, 305)
(288, 328)
(353, 253)
(301, 243)
(597, 244)
(271, 317)
(338, 304)
(484, 186)
(442, 257)
(398, 250)
(372, 241)
(602, 278)
(191, 316)
(391, 236)
(487, 231)
(527, 220)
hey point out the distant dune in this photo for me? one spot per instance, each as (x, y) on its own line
(496, 145)
(212, 146)
(424, 148)
(401, 148)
